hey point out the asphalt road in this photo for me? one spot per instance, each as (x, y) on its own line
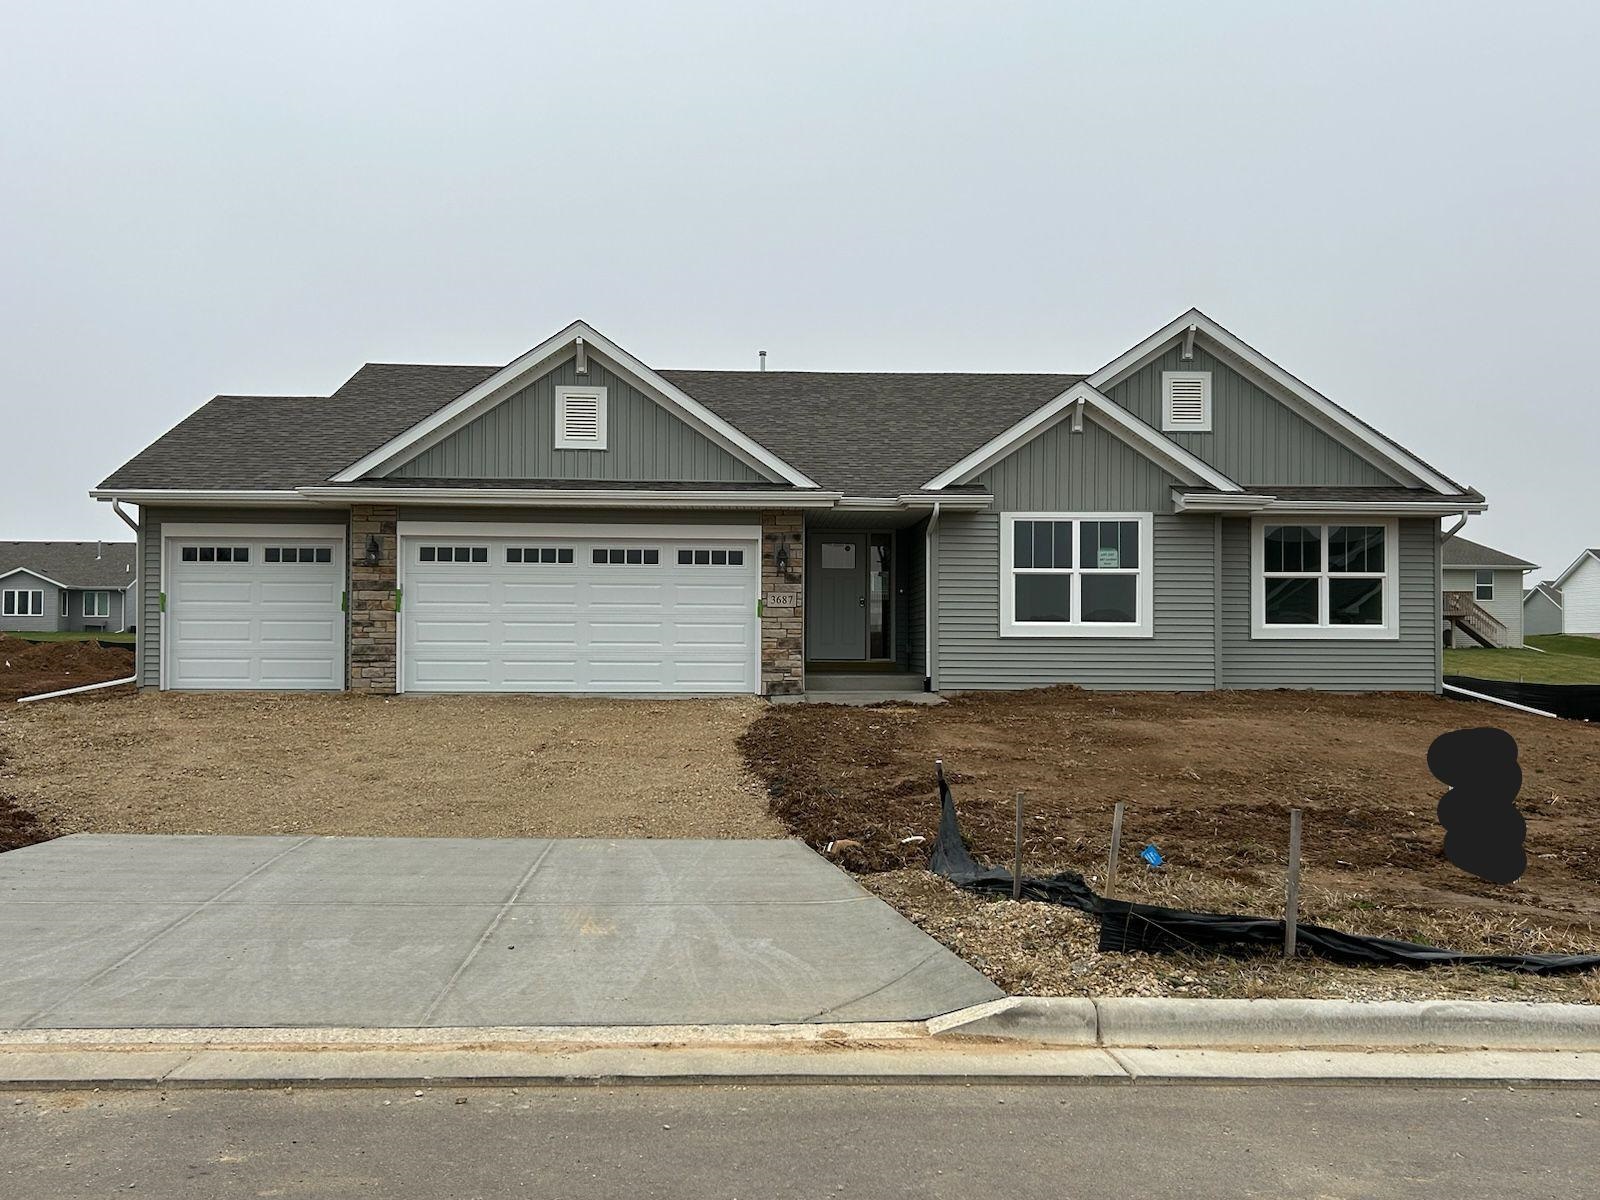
(1102, 1142)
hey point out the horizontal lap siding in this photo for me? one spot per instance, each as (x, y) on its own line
(1409, 663)
(48, 621)
(972, 654)
(516, 440)
(147, 644)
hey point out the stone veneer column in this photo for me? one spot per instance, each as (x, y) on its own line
(783, 661)
(373, 621)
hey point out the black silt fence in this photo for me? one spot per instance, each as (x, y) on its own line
(1575, 701)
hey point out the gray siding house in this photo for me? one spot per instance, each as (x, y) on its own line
(1542, 610)
(1483, 594)
(1188, 516)
(52, 587)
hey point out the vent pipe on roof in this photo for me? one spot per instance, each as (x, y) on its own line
(99, 550)
(763, 355)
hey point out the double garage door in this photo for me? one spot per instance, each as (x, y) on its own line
(580, 609)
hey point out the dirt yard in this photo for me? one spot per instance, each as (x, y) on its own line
(31, 668)
(440, 766)
(1209, 779)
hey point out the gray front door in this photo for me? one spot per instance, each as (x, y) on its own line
(836, 596)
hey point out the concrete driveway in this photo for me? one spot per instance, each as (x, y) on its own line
(121, 931)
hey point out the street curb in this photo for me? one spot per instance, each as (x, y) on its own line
(1165, 1023)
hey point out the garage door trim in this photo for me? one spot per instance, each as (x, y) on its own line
(408, 531)
(175, 531)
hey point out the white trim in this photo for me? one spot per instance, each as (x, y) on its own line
(576, 497)
(1577, 562)
(1350, 430)
(1144, 573)
(1388, 631)
(541, 358)
(87, 592)
(1170, 424)
(196, 496)
(1110, 416)
(30, 614)
(619, 529)
(31, 573)
(224, 529)
(1478, 585)
(1256, 503)
(563, 439)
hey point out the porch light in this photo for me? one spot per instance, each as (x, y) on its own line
(780, 556)
(374, 554)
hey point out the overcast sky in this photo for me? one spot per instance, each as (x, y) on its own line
(1397, 202)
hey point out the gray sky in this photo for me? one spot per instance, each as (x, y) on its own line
(1398, 203)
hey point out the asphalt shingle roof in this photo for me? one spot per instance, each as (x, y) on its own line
(1459, 552)
(75, 564)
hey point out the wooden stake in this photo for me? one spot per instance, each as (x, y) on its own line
(1291, 908)
(1116, 848)
(1016, 861)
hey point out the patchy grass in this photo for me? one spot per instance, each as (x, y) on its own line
(1564, 659)
(109, 639)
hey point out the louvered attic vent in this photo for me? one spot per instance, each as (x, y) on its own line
(580, 418)
(1185, 401)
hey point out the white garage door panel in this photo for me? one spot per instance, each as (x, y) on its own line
(580, 625)
(253, 623)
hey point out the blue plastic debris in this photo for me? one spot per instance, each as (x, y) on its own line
(1151, 855)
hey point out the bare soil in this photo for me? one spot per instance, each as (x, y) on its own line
(1209, 779)
(32, 668)
(437, 766)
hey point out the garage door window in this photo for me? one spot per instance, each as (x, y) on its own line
(216, 554)
(711, 558)
(529, 555)
(460, 554)
(613, 556)
(305, 554)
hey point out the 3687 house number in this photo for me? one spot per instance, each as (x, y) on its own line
(780, 601)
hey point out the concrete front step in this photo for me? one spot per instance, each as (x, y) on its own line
(864, 681)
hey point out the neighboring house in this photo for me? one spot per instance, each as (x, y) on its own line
(1188, 516)
(1541, 609)
(1482, 594)
(54, 586)
(1579, 586)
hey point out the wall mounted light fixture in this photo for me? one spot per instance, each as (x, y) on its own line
(374, 551)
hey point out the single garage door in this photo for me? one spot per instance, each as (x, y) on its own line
(254, 612)
(618, 611)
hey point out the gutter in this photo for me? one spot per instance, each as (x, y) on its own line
(573, 497)
(927, 598)
(1375, 508)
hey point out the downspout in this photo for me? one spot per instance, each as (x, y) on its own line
(138, 589)
(928, 683)
(1438, 602)
(116, 507)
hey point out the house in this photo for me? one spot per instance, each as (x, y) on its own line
(1482, 594)
(1579, 586)
(1541, 609)
(1188, 516)
(54, 586)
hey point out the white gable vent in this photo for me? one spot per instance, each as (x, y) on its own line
(580, 418)
(1185, 401)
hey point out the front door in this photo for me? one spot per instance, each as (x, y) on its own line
(836, 596)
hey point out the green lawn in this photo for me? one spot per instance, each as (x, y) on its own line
(1566, 660)
(125, 639)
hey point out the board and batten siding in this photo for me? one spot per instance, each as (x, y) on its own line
(1506, 607)
(1408, 663)
(1092, 471)
(48, 621)
(971, 654)
(1255, 439)
(147, 642)
(516, 440)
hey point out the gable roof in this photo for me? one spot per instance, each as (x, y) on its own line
(576, 339)
(1460, 552)
(1546, 589)
(1582, 558)
(107, 565)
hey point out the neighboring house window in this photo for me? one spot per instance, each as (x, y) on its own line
(1075, 575)
(1324, 580)
(22, 603)
(1186, 401)
(65, 602)
(580, 418)
(1483, 585)
(97, 604)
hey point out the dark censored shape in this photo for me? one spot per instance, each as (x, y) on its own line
(1483, 829)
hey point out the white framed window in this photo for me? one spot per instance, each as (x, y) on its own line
(1333, 577)
(580, 418)
(1186, 401)
(66, 607)
(22, 602)
(97, 604)
(1483, 585)
(1075, 574)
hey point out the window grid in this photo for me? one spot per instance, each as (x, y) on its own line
(1323, 576)
(531, 555)
(622, 556)
(97, 604)
(305, 554)
(1076, 573)
(460, 554)
(1483, 585)
(215, 554)
(710, 558)
(22, 602)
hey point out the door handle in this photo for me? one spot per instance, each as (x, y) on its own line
(862, 601)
